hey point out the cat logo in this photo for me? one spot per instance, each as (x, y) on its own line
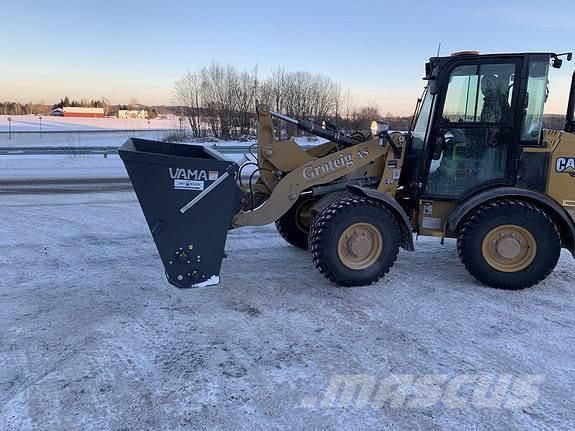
(565, 165)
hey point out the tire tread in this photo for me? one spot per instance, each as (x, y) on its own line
(482, 214)
(319, 236)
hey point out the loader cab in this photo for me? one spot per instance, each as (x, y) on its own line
(476, 115)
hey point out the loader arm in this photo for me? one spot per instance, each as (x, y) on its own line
(303, 169)
(312, 173)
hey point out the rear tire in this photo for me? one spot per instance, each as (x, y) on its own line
(509, 244)
(354, 241)
(295, 224)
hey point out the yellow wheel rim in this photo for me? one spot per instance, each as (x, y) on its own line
(509, 248)
(360, 245)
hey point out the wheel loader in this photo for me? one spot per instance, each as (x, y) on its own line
(476, 166)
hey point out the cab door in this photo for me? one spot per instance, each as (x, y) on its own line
(473, 136)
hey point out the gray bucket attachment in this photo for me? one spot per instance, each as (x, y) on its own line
(188, 194)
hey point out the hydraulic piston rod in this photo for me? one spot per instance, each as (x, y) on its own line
(314, 128)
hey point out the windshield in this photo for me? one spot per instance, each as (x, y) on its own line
(422, 123)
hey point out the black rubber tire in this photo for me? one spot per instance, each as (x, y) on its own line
(290, 227)
(332, 222)
(482, 221)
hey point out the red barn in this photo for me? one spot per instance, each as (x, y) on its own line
(83, 112)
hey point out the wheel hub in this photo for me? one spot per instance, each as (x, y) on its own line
(509, 248)
(304, 216)
(360, 245)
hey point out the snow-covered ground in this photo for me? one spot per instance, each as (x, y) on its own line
(69, 166)
(78, 140)
(48, 167)
(32, 123)
(92, 336)
(80, 132)
(82, 166)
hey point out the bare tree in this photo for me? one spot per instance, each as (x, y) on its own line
(246, 100)
(187, 95)
(106, 104)
(224, 98)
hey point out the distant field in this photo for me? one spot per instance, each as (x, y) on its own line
(79, 139)
(80, 132)
(31, 123)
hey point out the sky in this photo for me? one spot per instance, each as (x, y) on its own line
(138, 49)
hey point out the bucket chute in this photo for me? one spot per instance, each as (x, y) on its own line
(188, 194)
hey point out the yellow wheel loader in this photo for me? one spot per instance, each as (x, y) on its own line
(476, 165)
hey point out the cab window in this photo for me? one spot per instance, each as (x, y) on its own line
(474, 133)
(421, 126)
(479, 94)
(537, 91)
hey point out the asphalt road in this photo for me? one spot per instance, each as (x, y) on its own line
(93, 337)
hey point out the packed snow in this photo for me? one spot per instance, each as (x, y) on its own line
(93, 337)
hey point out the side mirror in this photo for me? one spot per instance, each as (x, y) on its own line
(557, 63)
(437, 148)
(433, 86)
(433, 81)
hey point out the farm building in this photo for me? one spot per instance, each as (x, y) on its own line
(70, 111)
(133, 114)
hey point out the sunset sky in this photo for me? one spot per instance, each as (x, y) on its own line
(137, 49)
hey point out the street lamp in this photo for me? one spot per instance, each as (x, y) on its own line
(9, 127)
(40, 118)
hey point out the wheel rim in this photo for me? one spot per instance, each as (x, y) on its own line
(303, 215)
(360, 245)
(509, 248)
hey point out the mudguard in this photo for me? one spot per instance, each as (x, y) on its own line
(552, 207)
(399, 213)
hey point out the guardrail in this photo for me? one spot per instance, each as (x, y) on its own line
(29, 151)
(106, 150)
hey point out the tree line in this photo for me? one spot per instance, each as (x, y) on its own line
(220, 100)
(14, 108)
(66, 103)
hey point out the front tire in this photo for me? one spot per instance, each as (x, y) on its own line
(354, 241)
(509, 244)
